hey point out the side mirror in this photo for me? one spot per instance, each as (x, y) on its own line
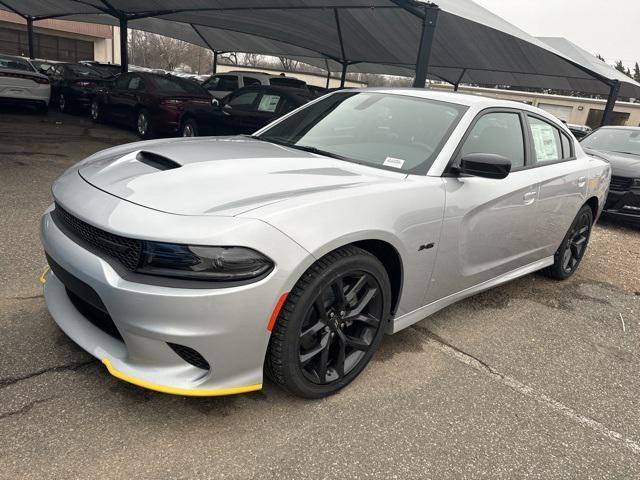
(486, 165)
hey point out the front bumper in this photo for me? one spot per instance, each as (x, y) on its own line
(227, 326)
(624, 205)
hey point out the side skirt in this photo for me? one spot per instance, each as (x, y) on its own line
(421, 313)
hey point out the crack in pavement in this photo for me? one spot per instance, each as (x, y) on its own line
(525, 390)
(7, 381)
(24, 409)
(28, 297)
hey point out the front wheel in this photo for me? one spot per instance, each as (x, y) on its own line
(189, 128)
(331, 324)
(573, 247)
(96, 111)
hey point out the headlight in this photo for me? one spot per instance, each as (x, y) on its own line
(221, 264)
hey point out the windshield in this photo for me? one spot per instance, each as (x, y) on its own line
(614, 140)
(15, 64)
(389, 131)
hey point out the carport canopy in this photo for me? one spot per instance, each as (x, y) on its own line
(451, 40)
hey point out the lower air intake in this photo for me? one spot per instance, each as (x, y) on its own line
(189, 355)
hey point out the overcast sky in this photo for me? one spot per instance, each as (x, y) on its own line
(610, 28)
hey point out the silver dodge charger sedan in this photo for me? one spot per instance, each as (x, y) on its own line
(192, 266)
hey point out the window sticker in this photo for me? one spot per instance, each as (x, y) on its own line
(269, 103)
(393, 162)
(544, 141)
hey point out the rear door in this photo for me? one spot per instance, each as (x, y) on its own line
(131, 97)
(562, 181)
(117, 97)
(488, 224)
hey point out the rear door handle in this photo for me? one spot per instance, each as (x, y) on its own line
(582, 181)
(530, 197)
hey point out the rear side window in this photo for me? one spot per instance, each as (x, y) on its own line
(227, 83)
(546, 141)
(248, 81)
(567, 151)
(497, 133)
(122, 82)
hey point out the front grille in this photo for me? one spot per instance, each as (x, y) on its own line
(126, 250)
(189, 355)
(620, 184)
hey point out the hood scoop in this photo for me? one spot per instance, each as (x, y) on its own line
(156, 161)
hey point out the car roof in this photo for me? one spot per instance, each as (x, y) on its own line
(619, 127)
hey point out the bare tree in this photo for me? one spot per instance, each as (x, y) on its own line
(288, 65)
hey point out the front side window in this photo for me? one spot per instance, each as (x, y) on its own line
(227, 83)
(269, 103)
(497, 133)
(619, 140)
(397, 132)
(212, 83)
(136, 83)
(547, 146)
(243, 101)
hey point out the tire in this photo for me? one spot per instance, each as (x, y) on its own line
(189, 128)
(96, 111)
(341, 332)
(573, 246)
(143, 126)
(63, 103)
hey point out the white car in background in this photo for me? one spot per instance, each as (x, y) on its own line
(21, 82)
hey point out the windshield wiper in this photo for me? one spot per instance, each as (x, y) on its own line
(304, 148)
(317, 151)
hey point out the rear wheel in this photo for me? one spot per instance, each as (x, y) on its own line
(189, 128)
(331, 324)
(573, 247)
(63, 106)
(142, 124)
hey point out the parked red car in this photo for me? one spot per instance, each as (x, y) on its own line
(155, 105)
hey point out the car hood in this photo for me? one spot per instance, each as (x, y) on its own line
(622, 164)
(220, 176)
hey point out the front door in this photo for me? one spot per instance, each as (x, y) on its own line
(487, 228)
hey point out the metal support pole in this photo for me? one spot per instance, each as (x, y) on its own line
(344, 74)
(426, 43)
(326, 62)
(607, 116)
(214, 69)
(32, 53)
(124, 40)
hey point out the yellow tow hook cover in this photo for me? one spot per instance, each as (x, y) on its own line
(43, 276)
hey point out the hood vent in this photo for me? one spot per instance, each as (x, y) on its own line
(156, 161)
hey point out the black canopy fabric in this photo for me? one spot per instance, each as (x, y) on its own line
(470, 44)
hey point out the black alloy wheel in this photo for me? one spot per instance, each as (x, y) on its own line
(331, 324)
(340, 328)
(573, 247)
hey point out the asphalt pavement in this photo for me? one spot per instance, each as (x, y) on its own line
(536, 379)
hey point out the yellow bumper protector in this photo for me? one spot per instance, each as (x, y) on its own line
(215, 392)
(43, 276)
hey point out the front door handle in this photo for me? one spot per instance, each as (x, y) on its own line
(582, 181)
(530, 197)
